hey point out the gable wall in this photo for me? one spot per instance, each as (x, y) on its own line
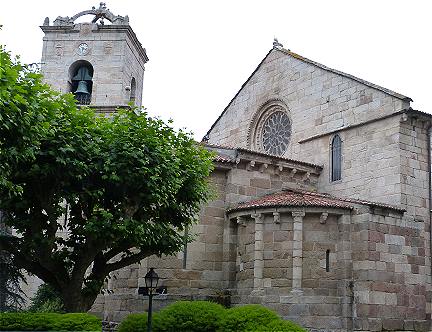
(319, 102)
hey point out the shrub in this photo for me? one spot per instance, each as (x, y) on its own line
(202, 316)
(134, 323)
(49, 322)
(246, 318)
(190, 316)
(279, 326)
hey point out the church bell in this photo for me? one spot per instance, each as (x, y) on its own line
(82, 88)
(82, 75)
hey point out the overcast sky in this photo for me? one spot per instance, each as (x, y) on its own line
(201, 52)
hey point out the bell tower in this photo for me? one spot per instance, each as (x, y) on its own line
(101, 63)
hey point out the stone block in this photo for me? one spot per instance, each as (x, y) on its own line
(422, 325)
(260, 183)
(393, 324)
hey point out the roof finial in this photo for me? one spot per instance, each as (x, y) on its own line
(276, 44)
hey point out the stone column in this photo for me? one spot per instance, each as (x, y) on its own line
(229, 253)
(258, 254)
(344, 266)
(297, 250)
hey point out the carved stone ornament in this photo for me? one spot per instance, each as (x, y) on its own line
(85, 29)
(276, 132)
(108, 48)
(270, 128)
(59, 49)
(100, 13)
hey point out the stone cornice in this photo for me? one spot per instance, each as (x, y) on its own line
(108, 28)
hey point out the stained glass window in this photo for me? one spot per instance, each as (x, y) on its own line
(276, 132)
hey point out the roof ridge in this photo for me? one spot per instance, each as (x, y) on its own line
(307, 60)
(315, 194)
(348, 199)
(235, 96)
(338, 72)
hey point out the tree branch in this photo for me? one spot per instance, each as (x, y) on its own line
(26, 262)
(128, 260)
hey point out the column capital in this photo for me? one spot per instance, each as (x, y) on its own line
(298, 214)
(257, 216)
(240, 221)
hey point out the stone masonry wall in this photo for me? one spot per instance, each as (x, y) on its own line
(318, 101)
(111, 54)
(414, 145)
(389, 273)
(371, 162)
(209, 267)
(302, 291)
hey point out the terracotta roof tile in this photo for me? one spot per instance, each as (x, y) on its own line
(259, 153)
(293, 198)
(290, 197)
(222, 159)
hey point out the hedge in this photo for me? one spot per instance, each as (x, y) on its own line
(202, 316)
(246, 318)
(189, 316)
(27, 321)
(136, 323)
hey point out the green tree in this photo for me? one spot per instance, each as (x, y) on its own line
(11, 295)
(128, 186)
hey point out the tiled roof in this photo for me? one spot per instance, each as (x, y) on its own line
(289, 197)
(222, 159)
(293, 198)
(259, 153)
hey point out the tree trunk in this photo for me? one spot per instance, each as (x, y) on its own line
(75, 301)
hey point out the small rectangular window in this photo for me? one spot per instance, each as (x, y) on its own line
(327, 260)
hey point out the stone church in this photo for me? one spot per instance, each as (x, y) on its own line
(323, 188)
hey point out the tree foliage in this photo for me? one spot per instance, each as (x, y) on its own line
(128, 185)
(11, 295)
(46, 299)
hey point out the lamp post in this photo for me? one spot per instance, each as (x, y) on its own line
(151, 281)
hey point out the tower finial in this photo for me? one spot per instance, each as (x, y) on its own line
(276, 44)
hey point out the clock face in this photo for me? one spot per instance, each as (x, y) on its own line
(83, 49)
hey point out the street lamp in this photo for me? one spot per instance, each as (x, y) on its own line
(151, 281)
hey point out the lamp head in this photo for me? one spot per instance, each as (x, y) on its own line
(151, 279)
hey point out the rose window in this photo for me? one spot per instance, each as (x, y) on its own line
(276, 132)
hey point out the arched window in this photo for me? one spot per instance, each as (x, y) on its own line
(81, 79)
(270, 129)
(336, 158)
(133, 90)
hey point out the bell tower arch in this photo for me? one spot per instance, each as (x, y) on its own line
(95, 60)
